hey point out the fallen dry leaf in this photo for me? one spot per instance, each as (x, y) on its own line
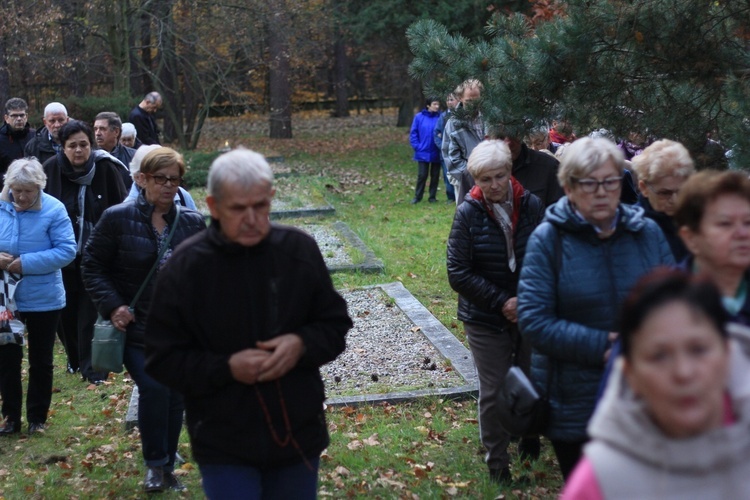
(342, 470)
(372, 440)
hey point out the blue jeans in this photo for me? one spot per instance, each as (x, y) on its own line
(230, 482)
(450, 191)
(160, 412)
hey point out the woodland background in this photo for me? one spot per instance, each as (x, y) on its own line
(670, 68)
(210, 58)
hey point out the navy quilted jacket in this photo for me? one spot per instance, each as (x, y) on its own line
(568, 304)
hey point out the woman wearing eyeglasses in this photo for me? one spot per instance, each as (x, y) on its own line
(121, 251)
(580, 264)
(662, 169)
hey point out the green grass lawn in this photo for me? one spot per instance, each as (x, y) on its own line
(424, 449)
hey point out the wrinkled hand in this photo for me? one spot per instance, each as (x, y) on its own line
(510, 309)
(270, 360)
(245, 365)
(286, 350)
(10, 263)
(121, 317)
(611, 338)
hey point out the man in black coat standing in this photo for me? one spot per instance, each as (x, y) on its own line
(14, 134)
(246, 357)
(142, 116)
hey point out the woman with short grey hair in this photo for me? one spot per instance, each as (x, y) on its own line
(486, 249)
(580, 264)
(36, 241)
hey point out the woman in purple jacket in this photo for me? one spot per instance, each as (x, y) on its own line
(426, 153)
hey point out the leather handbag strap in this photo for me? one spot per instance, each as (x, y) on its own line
(158, 258)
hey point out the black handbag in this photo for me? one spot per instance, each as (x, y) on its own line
(523, 411)
(108, 343)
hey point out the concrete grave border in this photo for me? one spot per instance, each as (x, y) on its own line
(371, 263)
(438, 335)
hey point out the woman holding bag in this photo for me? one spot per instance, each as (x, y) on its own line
(36, 241)
(124, 246)
(486, 250)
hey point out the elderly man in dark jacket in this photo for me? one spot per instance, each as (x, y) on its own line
(243, 316)
(45, 143)
(486, 250)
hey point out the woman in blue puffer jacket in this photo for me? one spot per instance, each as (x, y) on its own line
(36, 241)
(580, 264)
(426, 153)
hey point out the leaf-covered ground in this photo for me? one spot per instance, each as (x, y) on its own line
(424, 449)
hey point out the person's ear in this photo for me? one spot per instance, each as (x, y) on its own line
(689, 238)
(212, 206)
(627, 373)
(642, 185)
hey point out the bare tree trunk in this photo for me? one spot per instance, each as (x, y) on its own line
(168, 74)
(74, 48)
(147, 83)
(409, 101)
(279, 83)
(4, 75)
(341, 64)
(118, 35)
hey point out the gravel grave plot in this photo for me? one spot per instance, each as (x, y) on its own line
(385, 352)
(331, 245)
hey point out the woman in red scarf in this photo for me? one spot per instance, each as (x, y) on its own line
(485, 253)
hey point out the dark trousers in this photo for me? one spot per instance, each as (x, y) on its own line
(568, 454)
(238, 482)
(41, 328)
(77, 321)
(450, 191)
(160, 412)
(492, 350)
(434, 171)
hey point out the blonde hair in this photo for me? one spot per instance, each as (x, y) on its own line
(162, 158)
(471, 83)
(661, 159)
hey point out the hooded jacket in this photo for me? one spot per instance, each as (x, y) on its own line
(632, 458)
(421, 137)
(571, 287)
(43, 237)
(477, 255)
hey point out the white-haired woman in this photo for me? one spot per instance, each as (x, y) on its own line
(486, 250)
(580, 264)
(662, 169)
(36, 241)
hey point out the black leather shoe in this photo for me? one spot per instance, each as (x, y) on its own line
(501, 476)
(10, 427)
(529, 449)
(154, 482)
(171, 482)
(37, 427)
